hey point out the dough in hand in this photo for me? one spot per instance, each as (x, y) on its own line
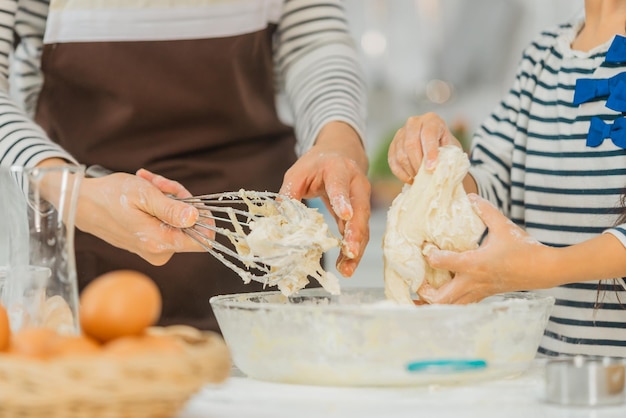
(434, 209)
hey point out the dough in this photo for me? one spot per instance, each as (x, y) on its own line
(434, 209)
(292, 238)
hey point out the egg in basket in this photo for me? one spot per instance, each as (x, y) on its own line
(121, 365)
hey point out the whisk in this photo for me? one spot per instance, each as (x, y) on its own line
(285, 247)
(234, 215)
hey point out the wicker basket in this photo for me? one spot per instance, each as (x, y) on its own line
(155, 386)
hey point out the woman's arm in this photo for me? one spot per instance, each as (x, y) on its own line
(125, 210)
(133, 212)
(22, 141)
(319, 69)
(321, 76)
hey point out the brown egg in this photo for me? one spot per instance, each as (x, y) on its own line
(5, 329)
(74, 345)
(118, 304)
(143, 345)
(33, 342)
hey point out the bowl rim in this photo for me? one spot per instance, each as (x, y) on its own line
(230, 301)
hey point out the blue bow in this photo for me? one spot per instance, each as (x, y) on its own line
(590, 88)
(617, 51)
(600, 130)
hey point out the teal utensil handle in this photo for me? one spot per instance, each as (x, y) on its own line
(446, 365)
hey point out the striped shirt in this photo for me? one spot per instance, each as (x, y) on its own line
(530, 158)
(316, 62)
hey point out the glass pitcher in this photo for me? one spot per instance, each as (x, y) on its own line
(41, 288)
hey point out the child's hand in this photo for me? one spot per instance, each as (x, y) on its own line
(420, 138)
(508, 260)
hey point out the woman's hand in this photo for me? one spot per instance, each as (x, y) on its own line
(508, 260)
(134, 213)
(419, 139)
(335, 169)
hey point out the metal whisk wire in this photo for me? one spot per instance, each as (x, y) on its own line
(219, 213)
(218, 207)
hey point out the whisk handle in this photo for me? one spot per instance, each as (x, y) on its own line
(95, 171)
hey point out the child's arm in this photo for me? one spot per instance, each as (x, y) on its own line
(510, 260)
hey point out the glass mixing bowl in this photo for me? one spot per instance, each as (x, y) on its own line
(360, 339)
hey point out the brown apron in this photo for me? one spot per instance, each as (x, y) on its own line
(200, 112)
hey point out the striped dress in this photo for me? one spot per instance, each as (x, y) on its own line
(530, 158)
(316, 61)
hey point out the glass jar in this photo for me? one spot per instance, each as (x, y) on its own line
(41, 285)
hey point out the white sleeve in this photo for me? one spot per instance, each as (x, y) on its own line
(22, 141)
(319, 68)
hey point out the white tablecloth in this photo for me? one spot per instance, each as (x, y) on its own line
(241, 397)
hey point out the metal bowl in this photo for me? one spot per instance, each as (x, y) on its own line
(585, 381)
(360, 339)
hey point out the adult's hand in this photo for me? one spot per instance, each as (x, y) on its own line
(419, 139)
(135, 213)
(335, 169)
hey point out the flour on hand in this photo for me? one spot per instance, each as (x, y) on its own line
(433, 210)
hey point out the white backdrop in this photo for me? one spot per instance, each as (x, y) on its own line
(472, 44)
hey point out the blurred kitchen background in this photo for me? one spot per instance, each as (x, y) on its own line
(453, 57)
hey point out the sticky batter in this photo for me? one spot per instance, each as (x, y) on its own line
(292, 237)
(434, 209)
